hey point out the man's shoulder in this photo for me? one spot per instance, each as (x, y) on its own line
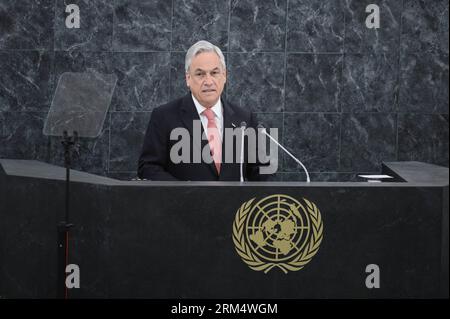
(174, 106)
(239, 111)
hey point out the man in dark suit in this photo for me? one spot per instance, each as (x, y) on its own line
(205, 76)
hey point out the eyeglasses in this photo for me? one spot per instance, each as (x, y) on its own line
(201, 75)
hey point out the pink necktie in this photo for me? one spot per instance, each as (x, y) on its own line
(215, 144)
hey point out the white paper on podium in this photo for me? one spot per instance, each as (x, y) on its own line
(376, 176)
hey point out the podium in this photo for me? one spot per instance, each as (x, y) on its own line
(147, 239)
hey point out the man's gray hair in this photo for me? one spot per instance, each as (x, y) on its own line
(200, 47)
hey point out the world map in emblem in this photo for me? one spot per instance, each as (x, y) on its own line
(277, 231)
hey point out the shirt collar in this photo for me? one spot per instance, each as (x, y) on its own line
(217, 108)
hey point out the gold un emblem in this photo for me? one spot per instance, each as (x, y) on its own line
(278, 231)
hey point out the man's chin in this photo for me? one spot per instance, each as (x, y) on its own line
(210, 100)
(210, 95)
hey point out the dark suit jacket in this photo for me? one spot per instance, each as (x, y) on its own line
(155, 163)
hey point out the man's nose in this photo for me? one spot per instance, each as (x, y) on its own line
(208, 79)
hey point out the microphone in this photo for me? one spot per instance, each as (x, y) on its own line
(264, 131)
(243, 126)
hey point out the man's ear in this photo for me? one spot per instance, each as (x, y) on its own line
(187, 78)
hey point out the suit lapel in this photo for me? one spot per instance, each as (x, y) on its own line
(229, 121)
(188, 113)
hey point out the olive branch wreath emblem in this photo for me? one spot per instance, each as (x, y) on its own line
(299, 261)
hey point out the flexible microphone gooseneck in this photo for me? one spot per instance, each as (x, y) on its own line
(264, 131)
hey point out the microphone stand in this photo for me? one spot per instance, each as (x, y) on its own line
(243, 125)
(64, 226)
(289, 153)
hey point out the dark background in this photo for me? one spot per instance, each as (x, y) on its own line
(344, 97)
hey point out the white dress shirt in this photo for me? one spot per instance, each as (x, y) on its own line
(218, 115)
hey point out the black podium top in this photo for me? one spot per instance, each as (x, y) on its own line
(404, 173)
